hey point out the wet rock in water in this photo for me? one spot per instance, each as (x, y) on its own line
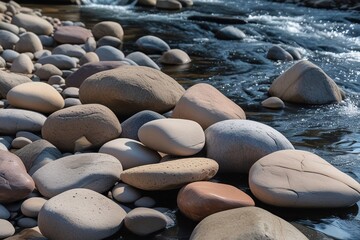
(170, 175)
(29, 42)
(230, 33)
(295, 53)
(147, 3)
(295, 178)
(200, 199)
(46, 71)
(6, 229)
(14, 120)
(245, 223)
(206, 105)
(89, 57)
(145, 202)
(110, 41)
(33, 24)
(130, 153)
(175, 57)
(10, 80)
(125, 193)
(36, 96)
(237, 144)
(31, 206)
(273, 103)
(16, 184)
(80, 214)
(81, 127)
(9, 55)
(109, 53)
(278, 53)
(132, 125)
(131, 89)
(152, 44)
(142, 60)
(168, 4)
(305, 83)
(173, 136)
(22, 64)
(59, 60)
(69, 50)
(95, 171)
(72, 34)
(20, 142)
(186, 3)
(144, 221)
(85, 71)
(4, 213)
(217, 19)
(107, 28)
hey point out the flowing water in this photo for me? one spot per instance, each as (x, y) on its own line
(239, 69)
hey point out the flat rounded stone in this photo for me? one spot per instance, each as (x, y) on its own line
(36, 96)
(230, 33)
(14, 120)
(15, 183)
(47, 70)
(8, 39)
(42, 53)
(69, 50)
(130, 153)
(6, 229)
(20, 142)
(168, 4)
(80, 214)
(131, 89)
(296, 178)
(110, 41)
(145, 202)
(175, 57)
(109, 53)
(198, 200)
(170, 175)
(9, 27)
(69, 102)
(33, 24)
(4, 213)
(206, 105)
(144, 221)
(59, 60)
(146, 3)
(29, 42)
(72, 34)
(273, 103)
(95, 171)
(107, 28)
(29, 135)
(305, 83)
(71, 92)
(27, 222)
(10, 80)
(152, 44)
(245, 223)
(142, 60)
(173, 136)
(89, 57)
(9, 55)
(125, 193)
(294, 52)
(80, 127)
(278, 53)
(22, 64)
(237, 144)
(31, 206)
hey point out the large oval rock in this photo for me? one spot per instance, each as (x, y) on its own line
(10, 80)
(33, 24)
(305, 83)
(15, 120)
(109, 53)
(69, 50)
(8, 39)
(295, 178)
(107, 28)
(245, 223)
(22, 64)
(173, 136)
(152, 44)
(206, 105)
(59, 60)
(131, 89)
(171, 174)
(175, 57)
(237, 144)
(230, 33)
(198, 200)
(79, 127)
(80, 214)
(29, 42)
(15, 183)
(95, 171)
(36, 96)
(72, 34)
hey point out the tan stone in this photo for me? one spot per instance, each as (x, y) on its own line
(168, 4)
(29, 42)
(125, 193)
(273, 103)
(175, 57)
(33, 24)
(107, 28)
(46, 71)
(278, 53)
(10, 80)
(31, 206)
(6, 229)
(22, 64)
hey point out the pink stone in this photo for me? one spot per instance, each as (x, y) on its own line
(72, 34)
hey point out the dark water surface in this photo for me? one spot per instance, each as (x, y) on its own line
(239, 69)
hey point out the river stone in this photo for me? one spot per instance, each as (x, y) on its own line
(29, 42)
(10, 80)
(36, 96)
(89, 57)
(69, 102)
(273, 103)
(56, 79)
(206, 105)
(294, 52)
(26, 222)
(31, 206)
(109, 41)
(33, 24)
(2, 63)
(131, 89)
(175, 57)
(142, 60)
(95, 171)
(85, 71)
(173, 136)
(14, 120)
(20, 142)
(198, 200)
(89, 45)
(9, 55)
(278, 53)
(29, 135)
(4, 213)
(230, 33)
(80, 214)
(15, 183)
(46, 71)
(72, 34)
(71, 92)
(305, 83)
(245, 223)
(237, 144)
(144, 221)
(9, 27)
(8, 39)
(42, 53)
(79, 127)
(146, 3)
(295, 178)
(168, 4)
(59, 60)
(69, 50)
(47, 41)
(22, 64)
(145, 202)
(152, 44)
(170, 175)
(28, 234)
(130, 153)
(107, 28)
(6, 229)
(109, 53)
(125, 193)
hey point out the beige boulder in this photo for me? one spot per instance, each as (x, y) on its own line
(29, 42)
(296, 178)
(107, 28)
(10, 80)
(33, 24)
(22, 64)
(175, 57)
(46, 71)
